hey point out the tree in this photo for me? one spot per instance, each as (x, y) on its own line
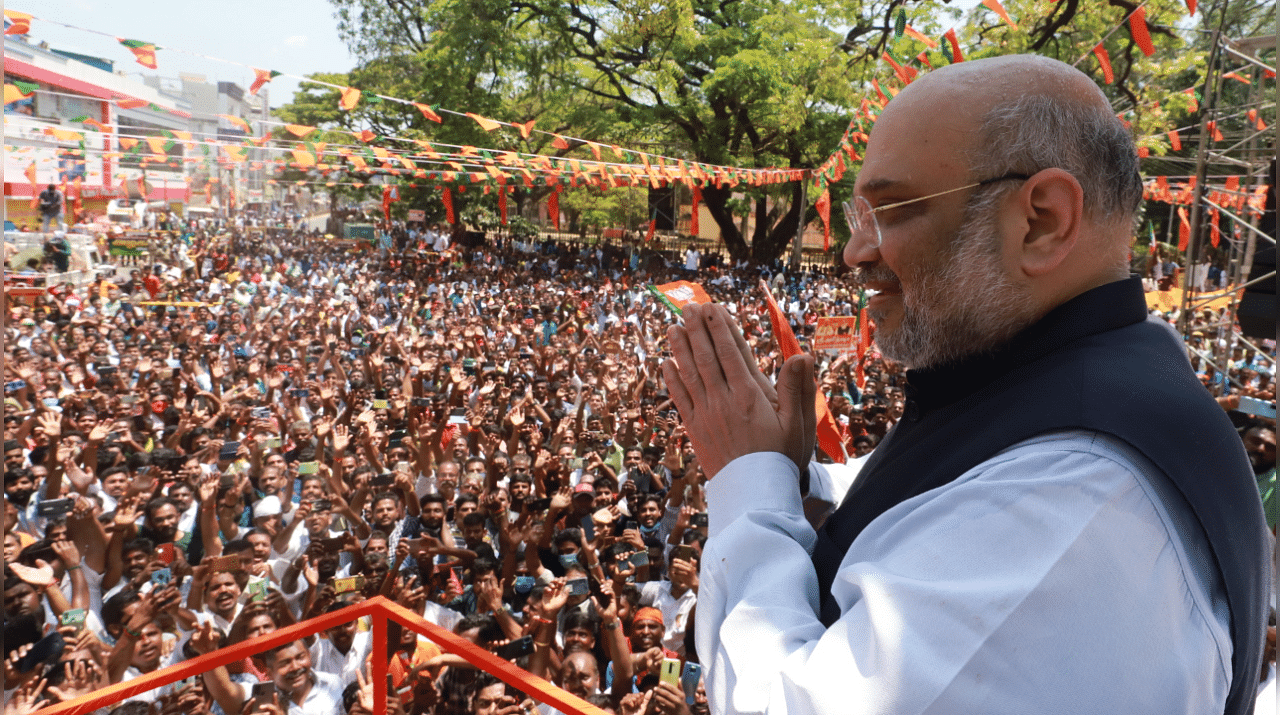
(725, 82)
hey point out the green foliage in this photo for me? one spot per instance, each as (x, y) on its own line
(744, 84)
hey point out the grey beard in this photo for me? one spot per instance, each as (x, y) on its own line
(969, 308)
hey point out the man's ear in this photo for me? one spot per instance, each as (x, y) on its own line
(1050, 204)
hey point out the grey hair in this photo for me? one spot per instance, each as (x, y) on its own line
(1033, 132)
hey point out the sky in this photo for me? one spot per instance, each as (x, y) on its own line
(296, 37)
(292, 36)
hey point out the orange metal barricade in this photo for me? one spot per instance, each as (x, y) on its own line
(380, 609)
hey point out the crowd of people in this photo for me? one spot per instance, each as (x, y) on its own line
(482, 435)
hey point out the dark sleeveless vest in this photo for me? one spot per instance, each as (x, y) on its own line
(1093, 363)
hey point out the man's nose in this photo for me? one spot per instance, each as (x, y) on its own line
(859, 253)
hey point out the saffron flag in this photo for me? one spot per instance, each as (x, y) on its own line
(502, 202)
(950, 37)
(527, 128)
(1104, 60)
(693, 216)
(143, 52)
(553, 209)
(18, 23)
(997, 8)
(389, 194)
(428, 112)
(237, 122)
(485, 123)
(648, 236)
(131, 103)
(1191, 7)
(560, 142)
(1138, 29)
(1214, 233)
(298, 130)
(447, 198)
(679, 294)
(13, 93)
(350, 98)
(913, 32)
(1184, 229)
(823, 204)
(1174, 140)
(828, 431)
(261, 77)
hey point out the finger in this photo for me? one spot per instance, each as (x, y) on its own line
(808, 402)
(706, 359)
(795, 379)
(753, 366)
(676, 389)
(682, 355)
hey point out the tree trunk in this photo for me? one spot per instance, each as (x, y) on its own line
(716, 200)
(770, 242)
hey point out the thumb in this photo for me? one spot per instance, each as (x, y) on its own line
(794, 381)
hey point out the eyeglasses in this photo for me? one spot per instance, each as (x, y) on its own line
(861, 216)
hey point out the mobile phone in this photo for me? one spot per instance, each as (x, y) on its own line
(73, 617)
(575, 463)
(128, 399)
(402, 467)
(568, 561)
(516, 648)
(458, 417)
(220, 564)
(639, 558)
(300, 392)
(684, 553)
(348, 584)
(689, 681)
(14, 385)
(273, 443)
(524, 584)
(41, 552)
(385, 479)
(337, 523)
(45, 650)
(165, 554)
(578, 587)
(227, 451)
(107, 370)
(161, 577)
(538, 504)
(1254, 406)
(380, 404)
(261, 413)
(256, 590)
(55, 507)
(670, 671)
(308, 468)
(421, 402)
(630, 524)
(699, 520)
(333, 544)
(264, 692)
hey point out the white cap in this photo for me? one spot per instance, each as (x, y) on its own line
(267, 506)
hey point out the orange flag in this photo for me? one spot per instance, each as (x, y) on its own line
(447, 199)
(913, 32)
(297, 130)
(1174, 140)
(823, 204)
(553, 209)
(19, 22)
(1138, 29)
(237, 121)
(304, 158)
(428, 112)
(485, 123)
(678, 294)
(1105, 61)
(997, 8)
(828, 431)
(648, 236)
(350, 98)
(1214, 232)
(1191, 7)
(526, 128)
(950, 37)
(1184, 229)
(693, 217)
(131, 103)
(261, 77)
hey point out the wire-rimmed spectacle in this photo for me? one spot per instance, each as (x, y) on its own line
(861, 215)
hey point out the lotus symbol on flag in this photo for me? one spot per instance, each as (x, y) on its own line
(683, 293)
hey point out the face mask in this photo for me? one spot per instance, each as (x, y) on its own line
(159, 406)
(648, 529)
